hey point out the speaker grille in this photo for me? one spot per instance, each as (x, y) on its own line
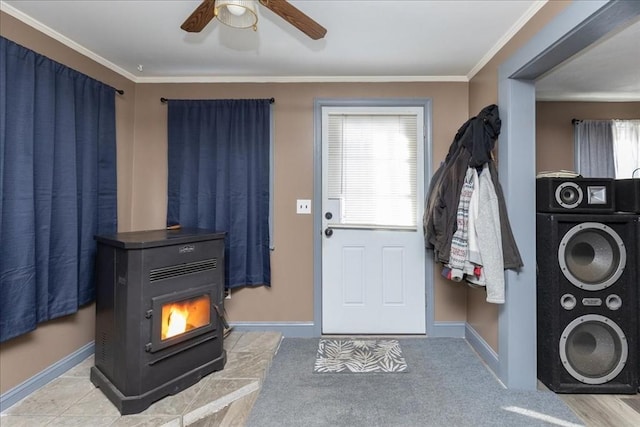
(593, 349)
(592, 256)
(596, 331)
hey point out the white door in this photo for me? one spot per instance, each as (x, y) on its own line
(373, 256)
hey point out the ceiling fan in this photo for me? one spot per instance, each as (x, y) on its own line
(208, 10)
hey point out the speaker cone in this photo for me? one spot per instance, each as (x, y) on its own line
(593, 349)
(592, 256)
(569, 195)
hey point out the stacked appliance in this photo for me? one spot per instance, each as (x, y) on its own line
(588, 306)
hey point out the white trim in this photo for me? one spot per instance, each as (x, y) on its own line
(298, 79)
(533, 9)
(45, 376)
(10, 10)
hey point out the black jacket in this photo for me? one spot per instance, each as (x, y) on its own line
(471, 147)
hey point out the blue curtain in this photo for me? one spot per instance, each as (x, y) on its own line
(57, 186)
(219, 179)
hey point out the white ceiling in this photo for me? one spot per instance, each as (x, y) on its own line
(364, 38)
(608, 70)
(367, 40)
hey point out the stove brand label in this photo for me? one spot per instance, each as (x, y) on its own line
(186, 249)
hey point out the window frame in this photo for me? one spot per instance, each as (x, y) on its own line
(417, 114)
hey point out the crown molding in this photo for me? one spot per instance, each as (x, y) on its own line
(10, 10)
(535, 7)
(299, 79)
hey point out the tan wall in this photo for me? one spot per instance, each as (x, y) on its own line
(142, 190)
(291, 295)
(25, 356)
(142, 186)
(483, 90)
(554, 131)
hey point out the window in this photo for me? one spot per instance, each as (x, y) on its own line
(372, 166)
(626, 148)
(607, 148)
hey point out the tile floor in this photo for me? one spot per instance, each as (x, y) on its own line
(223, 398)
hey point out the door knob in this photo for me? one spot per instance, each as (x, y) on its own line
(328, 232)
(328, 215)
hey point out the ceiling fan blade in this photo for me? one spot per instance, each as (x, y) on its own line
(200, 17)
(295, 17)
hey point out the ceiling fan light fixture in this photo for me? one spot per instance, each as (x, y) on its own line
(237, 13)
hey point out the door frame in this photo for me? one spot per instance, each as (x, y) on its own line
(319, 103)
(573, 29)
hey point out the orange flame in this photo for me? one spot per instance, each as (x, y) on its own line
(182, 316)
(177, 321)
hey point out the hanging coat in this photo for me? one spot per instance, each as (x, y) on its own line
(471, 147)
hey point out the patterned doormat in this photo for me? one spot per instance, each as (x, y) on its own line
(359, 356)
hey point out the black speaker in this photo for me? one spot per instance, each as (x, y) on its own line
(574, 195)
(587, 302)
(627, 195)
(638, 289)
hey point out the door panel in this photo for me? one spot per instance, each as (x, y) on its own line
(392, 278)
(353, 277)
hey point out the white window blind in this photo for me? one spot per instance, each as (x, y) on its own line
(626, 148)
(372, 168)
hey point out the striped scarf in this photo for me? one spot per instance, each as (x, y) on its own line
(459, 243)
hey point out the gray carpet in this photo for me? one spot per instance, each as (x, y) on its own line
(447, 385)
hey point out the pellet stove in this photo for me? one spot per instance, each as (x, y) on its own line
(159, 299)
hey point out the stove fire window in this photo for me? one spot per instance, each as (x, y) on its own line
(183, 316)
(177, 317)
